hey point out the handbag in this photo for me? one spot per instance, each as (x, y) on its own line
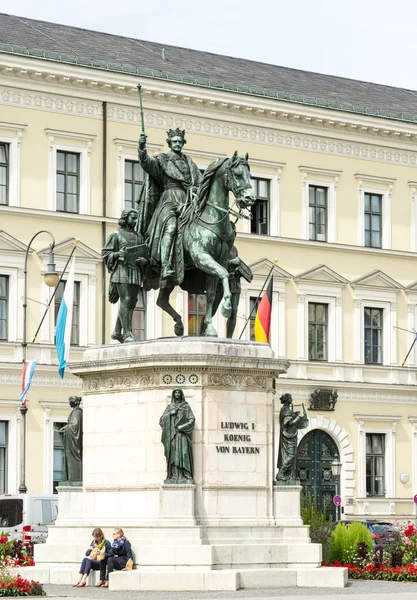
(93, 554)
(129, 565)
(101, 553)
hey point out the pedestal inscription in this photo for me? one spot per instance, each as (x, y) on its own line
(238, 437)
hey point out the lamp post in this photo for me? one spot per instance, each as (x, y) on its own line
(336, 467)
(51, 279)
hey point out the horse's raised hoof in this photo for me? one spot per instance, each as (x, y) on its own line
(179, 328)
(210, 331)
(226, 309)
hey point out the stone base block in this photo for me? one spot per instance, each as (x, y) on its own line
(287, 503)
(71, 503)
(174, 581)
(227, 580)
(58, 575)
(176, 503)
(329, 577)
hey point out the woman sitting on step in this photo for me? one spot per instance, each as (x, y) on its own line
(121, 554)
(96, 558)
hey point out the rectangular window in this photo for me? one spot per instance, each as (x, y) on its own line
(67, 181)
(58, 456)
(317, 203)
(373, 335)
(139, 317)
(3, 456)
(196, 312)
(260, 209)
(375, 464)
(4, 173)
(317, 331)
(75, 333)
(133, 183)
(253, 307)
(373, 220)
(4, 306)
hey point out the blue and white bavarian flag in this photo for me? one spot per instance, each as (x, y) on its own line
(64, 322)
(27, 376)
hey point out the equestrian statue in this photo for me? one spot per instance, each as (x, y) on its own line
(184, 218)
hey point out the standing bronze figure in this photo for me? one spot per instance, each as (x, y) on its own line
(289, 424)
(73, 443)
(177, 424)
(123, 255)
(173, 179)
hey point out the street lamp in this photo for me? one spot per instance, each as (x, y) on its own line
(336, 467)
(51, 278)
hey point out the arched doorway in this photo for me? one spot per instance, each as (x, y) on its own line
(315, 455)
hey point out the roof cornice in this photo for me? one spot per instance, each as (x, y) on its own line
(200, 82)
(121, 88)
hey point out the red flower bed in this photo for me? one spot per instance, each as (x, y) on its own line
(13, 554)
(17, 586)
(382, 573)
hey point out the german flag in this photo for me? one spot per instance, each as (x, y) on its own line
(263, 315)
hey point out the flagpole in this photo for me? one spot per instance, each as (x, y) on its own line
(255, 304)
(54, 292)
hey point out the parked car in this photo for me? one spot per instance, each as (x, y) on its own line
(26, 516)
(382, 532)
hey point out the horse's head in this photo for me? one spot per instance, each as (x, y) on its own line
(237, 180)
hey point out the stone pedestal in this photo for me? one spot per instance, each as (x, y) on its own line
(176, 504)
(233, 528)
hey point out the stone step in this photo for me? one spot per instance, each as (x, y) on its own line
(145, 536)
(57, 574)
(215, 556)
(228, 580)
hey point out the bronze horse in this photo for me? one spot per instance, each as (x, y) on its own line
(208, 236)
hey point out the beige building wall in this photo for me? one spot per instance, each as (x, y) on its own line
(45, 107)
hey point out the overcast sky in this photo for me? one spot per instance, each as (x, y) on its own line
(371, 40)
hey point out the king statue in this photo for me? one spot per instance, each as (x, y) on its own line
(170, 186)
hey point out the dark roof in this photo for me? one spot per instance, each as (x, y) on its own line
(73, 45)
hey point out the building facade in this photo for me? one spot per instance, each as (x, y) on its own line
(336, 186)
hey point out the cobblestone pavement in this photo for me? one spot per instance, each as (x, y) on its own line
(383, 590)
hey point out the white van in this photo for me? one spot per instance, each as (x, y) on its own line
(27, 516)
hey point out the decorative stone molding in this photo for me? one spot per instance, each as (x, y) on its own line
(255, 488)
(40, 380)
(323, 399)
(118, 382)
(236, 381)
(265, 135)
(180, 379)
(124, 488)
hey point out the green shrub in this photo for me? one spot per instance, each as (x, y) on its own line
(320, 523)
(346, 540)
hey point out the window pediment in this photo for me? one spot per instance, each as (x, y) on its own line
(65, 247)
(377, 280)
(262, 267)
(321, 275)
(8, 243)
(412, 288)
